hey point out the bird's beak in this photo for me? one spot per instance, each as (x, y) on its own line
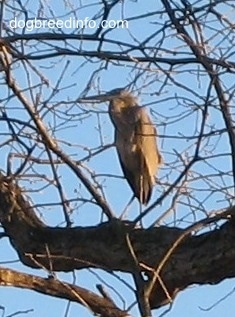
(97, 98)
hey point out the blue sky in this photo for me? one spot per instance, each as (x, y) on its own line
(176, 110)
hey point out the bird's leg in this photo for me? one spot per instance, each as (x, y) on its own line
(141, 197)
(140, 211)
(123, 214)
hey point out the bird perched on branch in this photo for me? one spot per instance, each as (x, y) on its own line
(135, 140)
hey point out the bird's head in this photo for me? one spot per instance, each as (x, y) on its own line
(118, 95)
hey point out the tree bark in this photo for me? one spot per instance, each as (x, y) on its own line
(207, 258)
(51, 286)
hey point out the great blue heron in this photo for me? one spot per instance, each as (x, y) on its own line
(135, 140)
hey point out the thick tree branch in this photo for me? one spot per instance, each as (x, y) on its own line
(53, 287)
(196, 259)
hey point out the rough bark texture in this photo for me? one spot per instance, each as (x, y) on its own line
(206, 258)
(53, 287)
